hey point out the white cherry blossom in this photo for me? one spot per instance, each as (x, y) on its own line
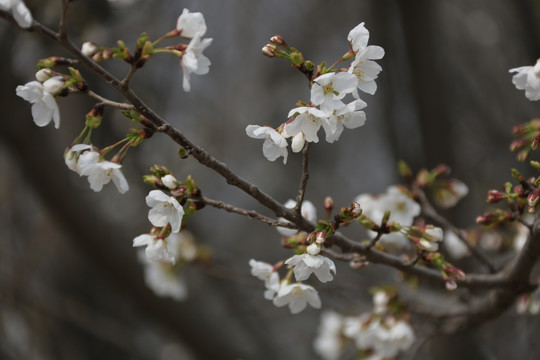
(101, 172)
(328, 89)
(20, 12)
(306, 264)
(297, 296)
(363, 66)
(528, 78)
(264, 271)
(44, 107)
(347, 116)
(191, 24)
(156, 249)
(274, 144)
(308, 121)
(193, 60)
(72, 156)
(164, 210)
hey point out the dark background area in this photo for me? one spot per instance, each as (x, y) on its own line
(70, 283)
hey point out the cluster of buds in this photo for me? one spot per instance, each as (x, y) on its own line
(528, 139)
(278, 47)
(425, 238)
(449, 272)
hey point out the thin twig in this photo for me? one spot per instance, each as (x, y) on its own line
(106, 101)
(303, 181)
(62, 34)
(252, 214)
(125, 82)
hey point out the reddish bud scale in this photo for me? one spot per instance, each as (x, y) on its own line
(494, 196)
(535, 142)
(518, 144)
(278, 40)
(268, 51)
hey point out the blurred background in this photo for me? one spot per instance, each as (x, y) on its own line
(71, 286)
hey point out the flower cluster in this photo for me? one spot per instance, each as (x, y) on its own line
(41, 95)
(296, 295)
(17, 8)
(192, 26)
(376, 335)
(327, 107)
(85, 161)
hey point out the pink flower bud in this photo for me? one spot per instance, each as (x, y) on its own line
(268, 50)
(278, 40)
(494, 196)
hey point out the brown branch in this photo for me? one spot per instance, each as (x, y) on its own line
(303, 181)
(62, 34)
(498, 280)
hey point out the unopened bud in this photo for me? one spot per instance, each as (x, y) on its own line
(169, 181)
(53, 85)
(313, 249)
(89, 49)
(44, 75)
(298, 142)
(356, 210)
(533, 198)
(518, 144)
(328, 206)
(278, 40)
(535, 143)
(309, 65)
(494, 196)
(321, 237)
(450, 284)
(268, 50)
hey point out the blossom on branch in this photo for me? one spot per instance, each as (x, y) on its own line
(44, 107)
(101, 172)
(157, 249)
(193, 60)
(191, 24)
(20, 12)
(264, 271)
(328, 89)
(274, 144)
(307, 120)
(306, 264)
(347, 116)
(297, 296)
(164, 210)
(528, 78)
(365, 70)
(71, 156)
